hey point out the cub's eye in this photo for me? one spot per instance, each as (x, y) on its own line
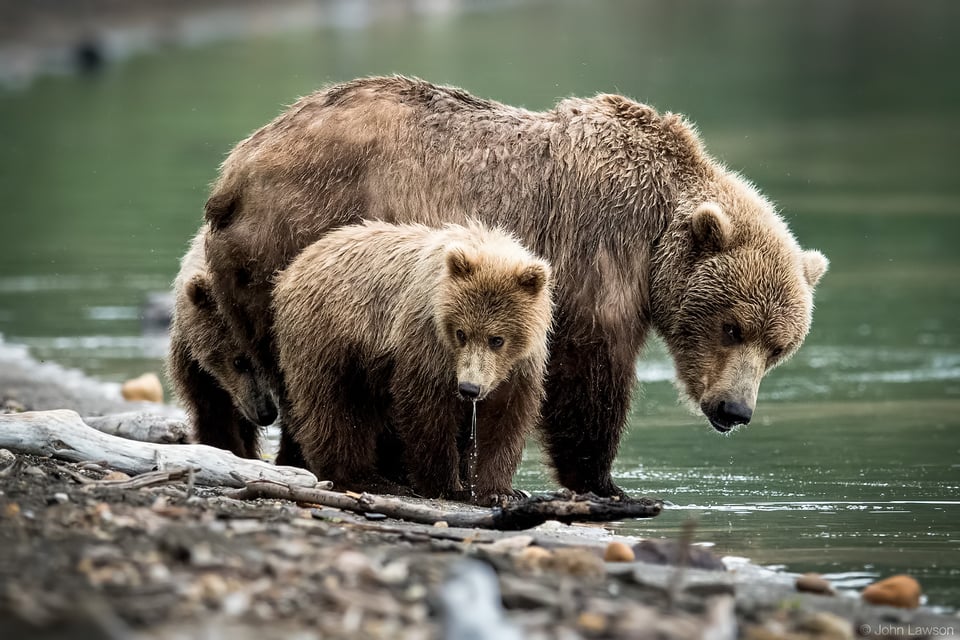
(495, 342)
(732, 333)
(461, 337)
(776, 353)
(242, 364)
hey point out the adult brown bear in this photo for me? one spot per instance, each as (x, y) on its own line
(642, 228)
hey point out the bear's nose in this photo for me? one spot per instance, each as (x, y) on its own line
(469, 390)
(733, 413)
(266, 414)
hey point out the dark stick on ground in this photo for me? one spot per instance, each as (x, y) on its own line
(524, 514)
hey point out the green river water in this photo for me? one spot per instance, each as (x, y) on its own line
(846, 114)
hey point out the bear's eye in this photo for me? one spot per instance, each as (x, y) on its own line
(775, 353)
(732, 333)
(461, 337)
(495, 342)
(242, 364)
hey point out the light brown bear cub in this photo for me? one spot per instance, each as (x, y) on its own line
(222, 388)
(394, 329)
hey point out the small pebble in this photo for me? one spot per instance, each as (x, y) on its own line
(36, 472)
(827, 626)
(143, 388)
(533, 557)
(584, 563)
(896, 591)
(593, 623)
(211, 587)
(395, 572)
(116, 475)
(618, 552)
(441, 524)
(6, 458)
(235, 604)
(814, 583)
(12, 406)
(58, 498)
(513, 543)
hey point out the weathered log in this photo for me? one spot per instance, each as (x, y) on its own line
(142, 426)
(523, 514)
(62, 434)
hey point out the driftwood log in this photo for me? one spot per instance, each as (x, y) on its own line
(142, 426)
(62, 434)
(523, 514)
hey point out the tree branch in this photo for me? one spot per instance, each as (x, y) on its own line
(524, 514)
(142, 426)
(62, 434)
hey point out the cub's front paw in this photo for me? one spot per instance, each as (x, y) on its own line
(500, 498)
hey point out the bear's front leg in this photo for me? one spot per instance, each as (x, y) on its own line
(503, 421)
(336, 442)
(289, 453)
(426, 419)
(588, 388)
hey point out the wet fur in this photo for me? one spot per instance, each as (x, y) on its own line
(366, 322)
(603, 187)
(200, 367)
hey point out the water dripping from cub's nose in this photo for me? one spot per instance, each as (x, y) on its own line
(472, 466)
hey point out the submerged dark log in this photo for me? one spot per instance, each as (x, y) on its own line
(524, 514)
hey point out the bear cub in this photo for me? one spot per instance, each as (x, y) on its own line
(394, 330)
(224, 392)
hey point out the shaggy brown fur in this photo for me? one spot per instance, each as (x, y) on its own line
(223, 391)
(605, 188)
(378, 327)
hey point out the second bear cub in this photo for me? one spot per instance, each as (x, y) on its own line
(394, 329)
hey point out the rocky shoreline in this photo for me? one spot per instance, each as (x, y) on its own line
(83, 555)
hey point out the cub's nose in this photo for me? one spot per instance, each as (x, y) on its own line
(469, 390)
(733, 413)
(267, 414)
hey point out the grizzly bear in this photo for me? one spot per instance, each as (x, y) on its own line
(222, 389)
(393, 329)
(643, 229)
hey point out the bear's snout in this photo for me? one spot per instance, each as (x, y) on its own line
(266, 410)
(469, 390)
(724, 415)
(266, 415)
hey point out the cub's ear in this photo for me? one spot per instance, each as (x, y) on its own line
(198, 292)
(814, 266)
(533, 277)
(459, 263)
(711, 228)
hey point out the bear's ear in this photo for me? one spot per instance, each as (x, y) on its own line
(711, 227)
(198, 292)
(459, 263)
(533, 278)
(814, 266)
